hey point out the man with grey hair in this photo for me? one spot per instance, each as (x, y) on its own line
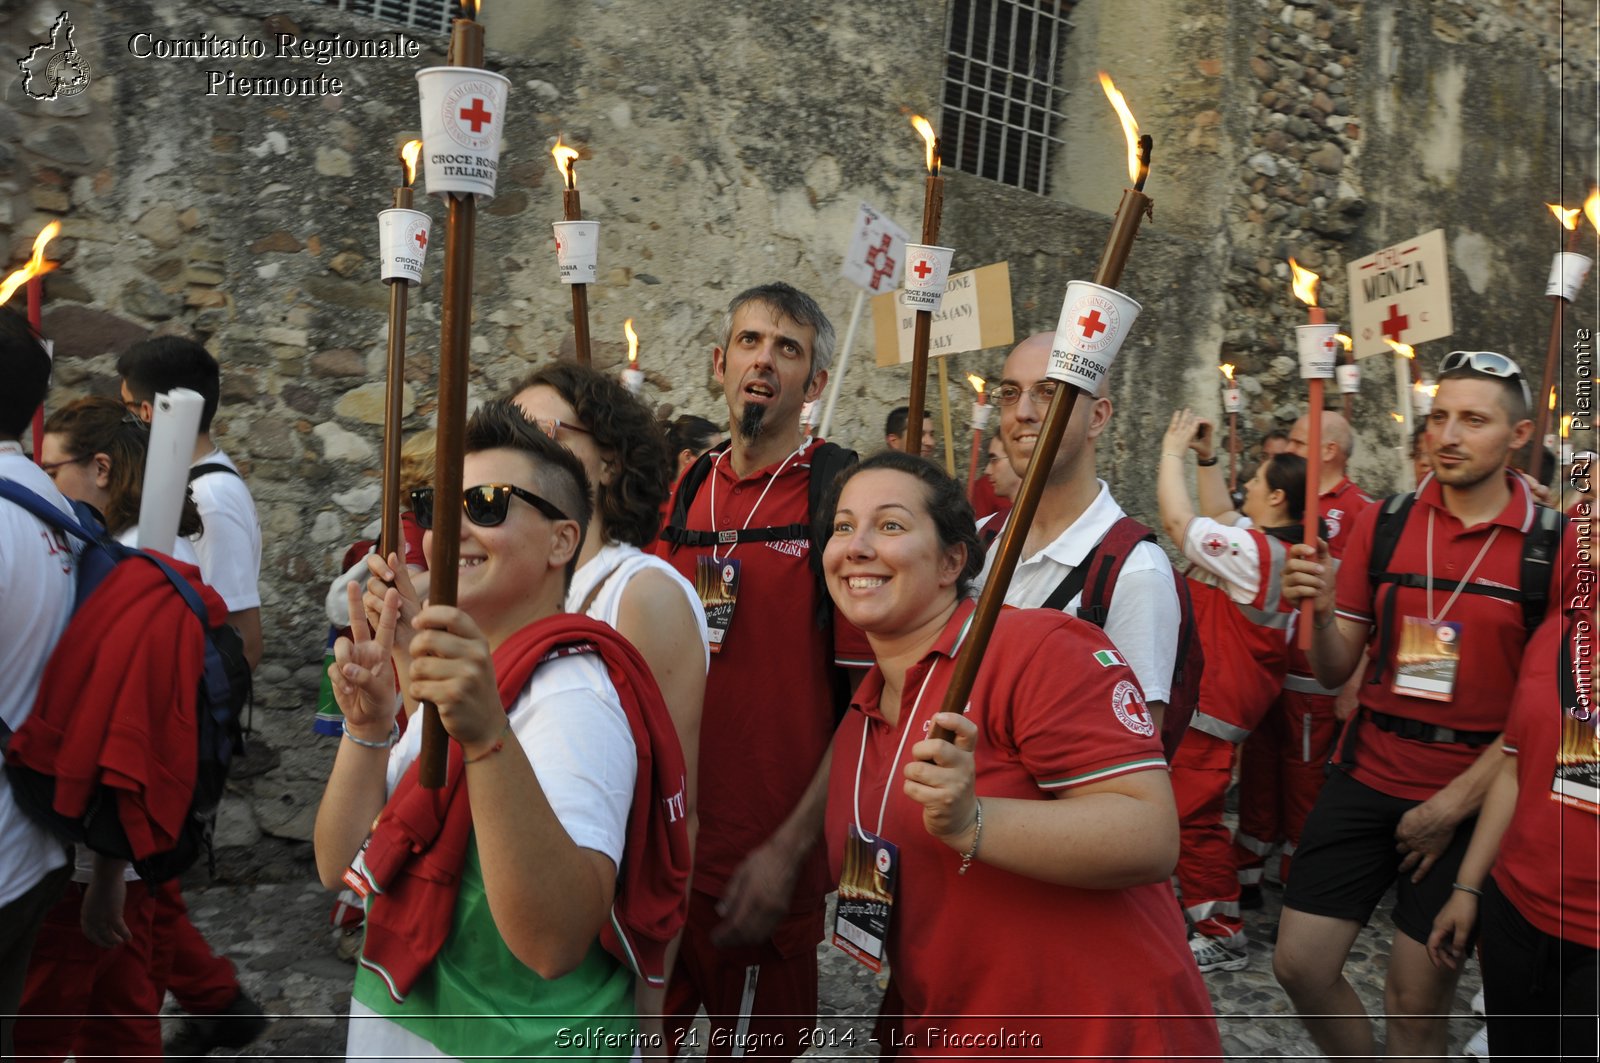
(740, 531)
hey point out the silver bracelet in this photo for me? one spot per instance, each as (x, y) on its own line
(1475, 891)
(977, 836)
(394, 736)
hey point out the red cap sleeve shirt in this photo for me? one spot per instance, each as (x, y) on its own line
(1050, 717)
(1492, 639)
(1339, 508)
(768, 713)
(1549, 861)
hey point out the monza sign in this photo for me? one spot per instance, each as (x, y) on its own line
(1402, 293)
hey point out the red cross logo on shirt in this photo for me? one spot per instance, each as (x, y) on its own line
(1396, 323)
(1091, 324)
(922, 269)
(476, 115)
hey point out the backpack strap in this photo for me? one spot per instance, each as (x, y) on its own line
(209, 467)
(1103, 564)
(40, 507)
(1540, 546)
(1385, 537)
(676, 531)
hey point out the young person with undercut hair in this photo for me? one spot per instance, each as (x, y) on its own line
(37, 568)
(1444, 622)
(509, 911)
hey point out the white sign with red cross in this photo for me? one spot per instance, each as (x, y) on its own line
(876, 257)
(1401, 292)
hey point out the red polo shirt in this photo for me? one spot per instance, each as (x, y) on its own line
(1339, 508)
(1549, 862)
(768, 716)
(1492, 637)
(1087, 971)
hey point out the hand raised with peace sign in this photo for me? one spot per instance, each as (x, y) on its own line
(363, 670)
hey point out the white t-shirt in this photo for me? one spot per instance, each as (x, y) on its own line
(615, 565)
(1145, 615)
(229, 547)
(37, 566)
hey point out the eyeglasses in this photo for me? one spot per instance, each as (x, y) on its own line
(550, 426)
(1039, 393)
(52, 467)
(1489, 363)
(485, 505)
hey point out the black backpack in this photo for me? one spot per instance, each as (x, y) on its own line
(1104, 564)
(827, 462)
(223, 694)
(1540, 545)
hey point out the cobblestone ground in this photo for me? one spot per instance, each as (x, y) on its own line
(278, 936)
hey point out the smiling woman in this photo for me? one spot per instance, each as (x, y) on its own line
(1050, 813)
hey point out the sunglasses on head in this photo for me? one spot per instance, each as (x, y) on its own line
(485, 505)
(1489, 363)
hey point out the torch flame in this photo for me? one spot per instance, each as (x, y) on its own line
(1566, 425)
(633, 341)
(931, 139)
(1552, 403)
(977, 383)
(1344, 341)
(1130, 127)
(1397, 418)
(469, 8)
(565, 157)
(408, 159)
(1401, 348)
(1426, 387)
(36, 263)
(1305, 283)
(1567, 218)
(1227, 371)
(1591, 207)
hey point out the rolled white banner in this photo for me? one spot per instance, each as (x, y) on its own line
(173, 429)
(1319, 351)
(980, 416)
(1232, 400)
(402, 244)
(463, 114)
(1094, 322)
(578, 251)
(1349, 378)
(1567, 272)
(927, 270)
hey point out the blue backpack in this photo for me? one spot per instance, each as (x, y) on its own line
(224, 692)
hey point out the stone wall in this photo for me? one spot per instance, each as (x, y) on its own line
(731, 144)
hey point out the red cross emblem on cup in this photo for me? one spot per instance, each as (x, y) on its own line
(922, 269)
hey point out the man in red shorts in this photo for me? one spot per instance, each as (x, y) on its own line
(756, 907)
(1281, 763)
(1444, 623)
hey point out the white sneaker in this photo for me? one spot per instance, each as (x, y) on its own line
(1479, 1045)
(1211, 954)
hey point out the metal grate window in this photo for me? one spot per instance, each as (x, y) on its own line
(430, 15)
(1001, 100)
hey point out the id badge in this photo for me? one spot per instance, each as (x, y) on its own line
(866, 896)
(1426, 661)
(1577, 776)
(717, 583)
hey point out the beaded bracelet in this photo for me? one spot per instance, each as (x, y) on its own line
(388, 743)
(1466, 889)
(977, 836)
(499, 744)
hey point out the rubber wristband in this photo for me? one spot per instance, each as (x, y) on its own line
(388, 743)
(499, 744)
(1206, 463)
(977, 836)
(1466, 889)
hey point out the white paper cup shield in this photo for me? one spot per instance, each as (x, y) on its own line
(1232, 400)
(463, 113)
(980, 416)
(1319, 350)
(1567, 272)
(1094, 322)
(402, 244)
(1349, 379)
(578, 251)
(927, 270)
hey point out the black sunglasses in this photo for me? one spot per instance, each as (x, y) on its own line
(485, 505)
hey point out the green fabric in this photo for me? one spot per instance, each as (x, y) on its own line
(477, 999)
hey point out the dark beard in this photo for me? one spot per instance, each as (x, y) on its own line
(751, 422)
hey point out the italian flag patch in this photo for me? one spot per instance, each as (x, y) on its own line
(1109, 658)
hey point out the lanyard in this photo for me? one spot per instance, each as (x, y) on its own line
(895, 763)
(759, 498)
(1466, 579)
